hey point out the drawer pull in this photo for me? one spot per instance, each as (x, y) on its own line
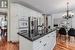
(45, 44)
(40, 41)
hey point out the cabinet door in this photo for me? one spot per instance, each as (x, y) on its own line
(41, 48)
(47, 46)
(51, 40)
(49, 43)
(38, 47)
(38, 42)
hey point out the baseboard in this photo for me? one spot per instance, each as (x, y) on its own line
(9, 41)
(13, 42)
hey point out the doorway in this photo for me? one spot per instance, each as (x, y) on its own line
(3, 27)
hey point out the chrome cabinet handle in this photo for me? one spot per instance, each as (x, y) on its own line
(45, 44)
(40, 41)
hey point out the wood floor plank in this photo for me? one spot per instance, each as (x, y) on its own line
(64, 44)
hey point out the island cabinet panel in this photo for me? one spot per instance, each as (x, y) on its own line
(25, 44)
(46, 42)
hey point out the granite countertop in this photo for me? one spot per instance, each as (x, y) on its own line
(35, 37)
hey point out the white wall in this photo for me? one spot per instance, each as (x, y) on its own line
(73, 22)
(50, 21)
(57, 16)
(17, 11)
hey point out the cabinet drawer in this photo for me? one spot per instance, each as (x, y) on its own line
(39, 48)
(37, 43)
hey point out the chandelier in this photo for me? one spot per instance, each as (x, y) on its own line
(68, 14)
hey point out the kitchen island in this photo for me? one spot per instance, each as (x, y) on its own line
(45, 41)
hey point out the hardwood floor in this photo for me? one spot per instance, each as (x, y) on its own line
(9, 46)
(65, 45)
(61, 45)
(4, 45)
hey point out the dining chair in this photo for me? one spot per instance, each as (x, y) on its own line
(71, 32)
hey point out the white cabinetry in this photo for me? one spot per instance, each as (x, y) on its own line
(46, 42)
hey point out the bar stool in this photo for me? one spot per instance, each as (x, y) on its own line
(71, 32)
(62, 31)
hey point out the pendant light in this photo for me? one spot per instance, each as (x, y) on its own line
(68, 14)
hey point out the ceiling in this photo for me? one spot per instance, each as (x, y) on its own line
(48, 6)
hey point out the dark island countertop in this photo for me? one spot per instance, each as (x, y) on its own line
(34, 37)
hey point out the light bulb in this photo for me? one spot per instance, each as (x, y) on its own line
(4, 4)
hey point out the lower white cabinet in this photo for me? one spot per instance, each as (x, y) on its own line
(46, 42)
